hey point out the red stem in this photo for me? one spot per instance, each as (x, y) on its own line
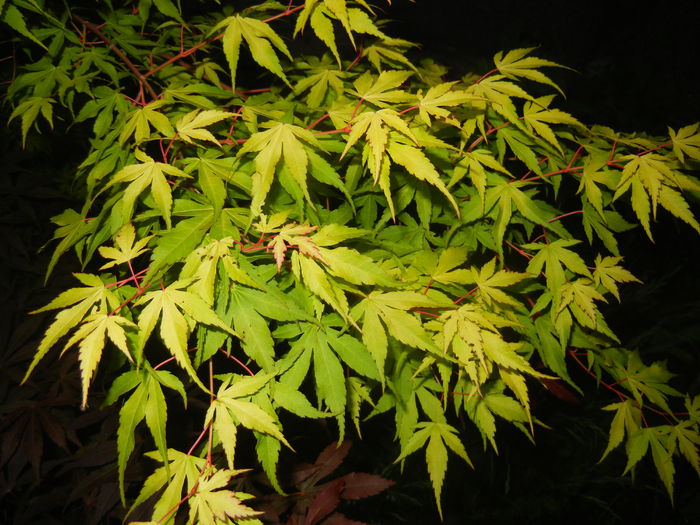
(231, 356)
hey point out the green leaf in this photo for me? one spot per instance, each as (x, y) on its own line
(131, 414)
(516, 64)
(140, 121)
(91, 335)
(193, 125)
(174, 245)
(14, 18)
(212, 502)
(554, 257)
(30, 109)
(329, 376)
(261, 39)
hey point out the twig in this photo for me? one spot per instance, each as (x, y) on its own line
(127, 62)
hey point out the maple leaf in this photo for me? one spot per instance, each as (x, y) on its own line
(30, 110)
(297, 235)
(91, 334)
(537, 115)
(140, 120)
(438, 98)
(281, 141)
(393, 310)
(80, 301)
(473, 163)
(580, 295)
(230, 410)
(627, 419)
(437, 435)
(516, 64)
(193, 125)
(506, 196)
(608, 273)
(391, 52)
(497, 93)
(126, 247)
(381, 91)
(71, 228)
(147, 401)
(139, 176)
(319, 84)
(261, 39)
(179, 471)
(375, 125)
(169, 304)
(554, 257)
(211, 504)
(489, 281)
(686, 142)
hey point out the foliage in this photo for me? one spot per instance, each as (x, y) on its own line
(359, 236)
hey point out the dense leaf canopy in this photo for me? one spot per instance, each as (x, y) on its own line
(334, 235)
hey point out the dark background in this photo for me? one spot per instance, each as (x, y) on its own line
(637, 69)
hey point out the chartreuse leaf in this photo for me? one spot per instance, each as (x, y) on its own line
(516, 63)
(80, 301)
(228, 411)
(418, 165)
(537, 116)
(281, 141)
(193, 125)
(608, 273)
(651, 178)
(174, 245)
(375, 125)
(437, 435)
(328, 374)
(295, 401)
(627, 420)
(686, 142)
(437, 99)
(30, 109)
(393, 310)
(261, 39)
(211, 503)
(148, 402)
(126, 247)
(686, 436)
(553, 257)
(72, 229)
(489, 283)
(169, 304)
(474, 164)
(139, 176)
(140, 121)
(381, 91)
(91, 334)
(354, 267)
(130, 415)
(663, 458)
(580, 296)
(179, 471)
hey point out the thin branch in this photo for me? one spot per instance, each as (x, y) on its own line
(127, 62)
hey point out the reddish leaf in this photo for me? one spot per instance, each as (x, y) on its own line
(558, 389)
(33, 444)
(331, 457)
(359, 485)
(325, 502)
(339, 519)
(53, 429)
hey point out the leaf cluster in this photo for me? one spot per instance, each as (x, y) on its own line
(359, 236)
